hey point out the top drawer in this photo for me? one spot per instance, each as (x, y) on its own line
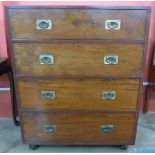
(77, 23)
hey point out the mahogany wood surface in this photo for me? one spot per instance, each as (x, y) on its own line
(78, 94)
(77, 23)
(78, 59)
(78, 30)
(78, 129)
(150, 89)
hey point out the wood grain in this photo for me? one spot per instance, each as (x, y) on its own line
(75, 129)
(77, 23)
(78, 94)
(78, 59)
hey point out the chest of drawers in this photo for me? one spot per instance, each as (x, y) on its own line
(78, 72)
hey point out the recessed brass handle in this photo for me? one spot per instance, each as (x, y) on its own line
(108, 95)
(112, 24)
(50, 128)
(111, 59)
(46, 59)
(48, 95)
(106, 128)
(43, 24)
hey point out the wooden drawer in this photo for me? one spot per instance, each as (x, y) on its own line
(78, 94)
(76, 129)
(78, 59)
(77, 23)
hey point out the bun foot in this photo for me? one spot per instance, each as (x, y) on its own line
(123, 147)
(33, 147)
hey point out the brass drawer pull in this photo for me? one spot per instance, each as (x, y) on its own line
(43, 24)
(106, 128)
(111, 59)
(112, 24)
(46, 59)
(48, 95)
(110, 95)
(50, 128)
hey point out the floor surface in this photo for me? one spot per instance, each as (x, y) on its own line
(10, 140)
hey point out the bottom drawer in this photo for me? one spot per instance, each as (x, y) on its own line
(78, 129)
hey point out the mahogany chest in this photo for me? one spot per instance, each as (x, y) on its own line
(78, 72)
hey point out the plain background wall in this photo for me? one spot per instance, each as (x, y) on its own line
(5, 105)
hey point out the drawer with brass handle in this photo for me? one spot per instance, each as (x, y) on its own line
(78, 59)
(78, 94)
(74, 129)
(77, 24)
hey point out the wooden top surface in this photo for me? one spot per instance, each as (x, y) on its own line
(80, 7)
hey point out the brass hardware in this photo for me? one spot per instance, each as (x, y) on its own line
(110, 95)
(112, 24)
(48, 95)
(106, 128)
(50, 128)
(111, 59)
(43, 24)
(46, 59)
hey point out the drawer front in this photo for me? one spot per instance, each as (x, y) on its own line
(77, 24)
(78, 94)
(76, 129)
(78, 59)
